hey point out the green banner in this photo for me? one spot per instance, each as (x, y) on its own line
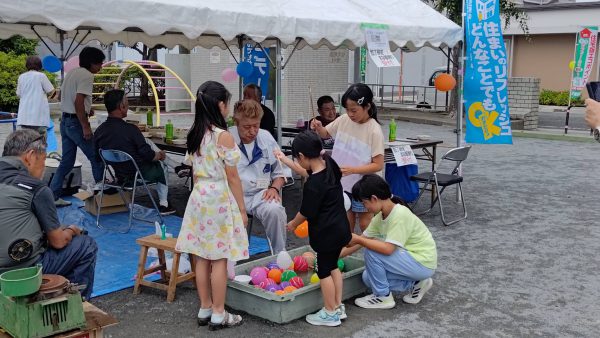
(363, 64)
(585, 50)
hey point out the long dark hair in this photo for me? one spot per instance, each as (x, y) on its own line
(363, 96)
(208, 114)
(310, 145)
(373, 185)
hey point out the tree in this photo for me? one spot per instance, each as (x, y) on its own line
(453, 10)
(147, 54)
(19, 45)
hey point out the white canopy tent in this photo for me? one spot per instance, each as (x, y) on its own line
(334, 23)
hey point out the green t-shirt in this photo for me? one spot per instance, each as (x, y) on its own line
(403, 229)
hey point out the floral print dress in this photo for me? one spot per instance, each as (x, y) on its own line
(212, 225)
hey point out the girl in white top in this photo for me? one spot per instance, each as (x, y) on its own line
(32, 88)
(358, 147)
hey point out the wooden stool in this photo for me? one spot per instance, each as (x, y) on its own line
(154, 241)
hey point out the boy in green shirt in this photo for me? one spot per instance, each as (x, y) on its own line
(400, 253)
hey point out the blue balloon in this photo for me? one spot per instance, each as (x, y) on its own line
(51, 63)
(244, 69)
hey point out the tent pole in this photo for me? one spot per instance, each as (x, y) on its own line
(61, 34)
(278, 75)
(461, 101)
(241, 48)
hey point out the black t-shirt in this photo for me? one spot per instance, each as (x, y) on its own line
(323, 206)
(268, 121)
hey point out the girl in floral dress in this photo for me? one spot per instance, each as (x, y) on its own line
(214, 222)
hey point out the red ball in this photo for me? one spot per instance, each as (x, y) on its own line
(300, 264)
(297, 282)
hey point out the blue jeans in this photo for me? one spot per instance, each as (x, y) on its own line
(71, 134)
(76, 262)
(396, 272)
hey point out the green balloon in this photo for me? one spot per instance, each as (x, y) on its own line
(287, 275)
(341, 264)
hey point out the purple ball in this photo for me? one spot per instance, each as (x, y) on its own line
(272, 265)
(283, 285)
(272, 287)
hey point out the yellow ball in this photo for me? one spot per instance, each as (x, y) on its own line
(314, 279)
(571, 65)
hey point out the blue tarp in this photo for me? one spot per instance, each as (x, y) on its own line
(118, 253)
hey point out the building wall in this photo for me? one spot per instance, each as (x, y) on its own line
(546, 57)
(523, 99)
(326, 71)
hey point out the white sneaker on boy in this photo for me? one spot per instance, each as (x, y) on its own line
(341, 311)
(418, 290)
(376, 302)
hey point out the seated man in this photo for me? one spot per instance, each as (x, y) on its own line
(261, 176)
(116, 134)
(31, 233)
(267, 122)
(327, 114)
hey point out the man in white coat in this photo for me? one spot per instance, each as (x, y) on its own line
(261, 175)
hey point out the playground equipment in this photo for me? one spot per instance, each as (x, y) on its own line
(152, 70)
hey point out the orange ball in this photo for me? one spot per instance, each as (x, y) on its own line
(280, 292)
(445, 82)
(289, 289)
(302, 230)
(275, 274)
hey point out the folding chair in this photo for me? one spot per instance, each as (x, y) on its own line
(116, 156)
(437, 180)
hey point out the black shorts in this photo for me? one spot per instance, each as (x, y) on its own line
(327, 262)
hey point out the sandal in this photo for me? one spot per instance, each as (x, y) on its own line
(203, 321)
(229, 320)
(183, 170)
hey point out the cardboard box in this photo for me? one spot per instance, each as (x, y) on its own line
(110, 203)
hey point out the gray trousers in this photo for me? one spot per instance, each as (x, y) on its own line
(272, 216)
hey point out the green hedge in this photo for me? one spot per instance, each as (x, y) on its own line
(11, 66)
(555, 98)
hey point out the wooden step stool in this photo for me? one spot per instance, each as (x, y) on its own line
(154, 241)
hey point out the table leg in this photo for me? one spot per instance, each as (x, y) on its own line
(433, 158)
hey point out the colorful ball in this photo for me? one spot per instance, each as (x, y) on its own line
(297, 282)
(314, 279)
(283, 285)
(444, 82)
(272, 265)
(289, 289)
(272, 288)
(310, 259)
(300, 264)
(266, 282)
(341, 265)
(280, 292)
(302, 230)
(275, 274)
(287, 275)
(258, 274)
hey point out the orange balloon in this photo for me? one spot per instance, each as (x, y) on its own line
(302, 230)
(275, 275)
(289, 289)
(444, 82)
(280, 292)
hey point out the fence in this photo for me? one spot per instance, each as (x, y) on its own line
(426, 97)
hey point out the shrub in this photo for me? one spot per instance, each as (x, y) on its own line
(557, 98)
(11, 66)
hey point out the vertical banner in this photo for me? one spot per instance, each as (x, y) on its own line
(260, 63)
(486, 77)
(585, 50)
(363, 64)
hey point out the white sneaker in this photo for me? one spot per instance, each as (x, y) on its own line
(418, 290)
(376, 302)
(323, 318)
(341, 311)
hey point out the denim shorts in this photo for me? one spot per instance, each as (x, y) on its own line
(358, 206)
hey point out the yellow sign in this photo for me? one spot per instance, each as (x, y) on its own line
(481, 118)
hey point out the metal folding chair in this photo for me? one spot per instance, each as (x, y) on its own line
(109, 156)
(437, 180)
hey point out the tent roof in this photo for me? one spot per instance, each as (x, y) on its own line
(412, 24)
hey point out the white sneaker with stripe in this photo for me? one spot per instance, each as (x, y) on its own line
(376, 302)
(418, 290)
